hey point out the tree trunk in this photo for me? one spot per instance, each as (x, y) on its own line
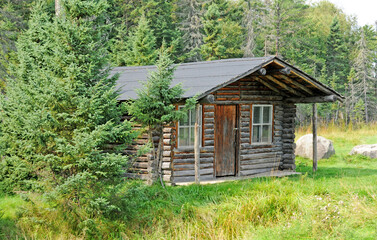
(159, 154)
(58, 8)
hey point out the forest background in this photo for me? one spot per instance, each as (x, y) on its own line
(319, 38)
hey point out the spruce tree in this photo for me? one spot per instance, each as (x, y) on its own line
(141, 45)
(61, 111)
(212, 48)
(155, 106)
(337, 54)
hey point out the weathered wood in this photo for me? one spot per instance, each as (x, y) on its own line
(261, 166)
(262, 71)
(191, 160)
(269, 86)
(262, 160)
(302, 87)
(192, 172)
(254, 156)
(225, 151)
(191, 178)
(255, 171)
(209, 99)
(284, 86)
(314, 137)
(321, 99)
(197, 143)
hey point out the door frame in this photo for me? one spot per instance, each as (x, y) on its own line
(237, 143)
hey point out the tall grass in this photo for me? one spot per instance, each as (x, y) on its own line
(339, 201)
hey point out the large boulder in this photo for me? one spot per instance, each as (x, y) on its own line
(304, 147)
(366, 150)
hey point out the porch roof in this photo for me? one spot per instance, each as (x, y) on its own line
(203, 78)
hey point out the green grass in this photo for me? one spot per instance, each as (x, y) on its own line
(339, 201)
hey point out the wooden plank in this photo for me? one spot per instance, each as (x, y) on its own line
(284, 86)
(225, 151)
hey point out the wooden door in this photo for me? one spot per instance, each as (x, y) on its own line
(225, 140)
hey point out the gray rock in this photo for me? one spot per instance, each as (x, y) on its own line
(304, 147)
(366, 150)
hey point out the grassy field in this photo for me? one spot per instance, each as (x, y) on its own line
(339, 201)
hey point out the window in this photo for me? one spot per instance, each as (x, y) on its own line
(262, 124)
(186, 129)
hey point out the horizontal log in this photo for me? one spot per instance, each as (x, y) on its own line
(137, 176)
(209, 114)
(192, 160)
(259, 155)
(166, 178)
(209, 99)
(191, 178)
(289, 166)
(319, 99)
(260, 166)
(245, 151)
(192, 166)
(255, 171)
(191, 155)
(263, 160)
(166, 165)
(192, 172)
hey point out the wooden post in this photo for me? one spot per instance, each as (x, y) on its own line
(197, 144)
(314, 137)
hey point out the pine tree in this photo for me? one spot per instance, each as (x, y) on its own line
(61, 110)
(191, 14)
(141, 45)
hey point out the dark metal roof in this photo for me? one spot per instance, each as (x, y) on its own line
(200, 78)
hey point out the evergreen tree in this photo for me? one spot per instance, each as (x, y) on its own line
(13, 16)
(154, 108)
(212, 48)
(337, 54)
(141, 45)
(61, 110)
(363, 65)
(192, 39)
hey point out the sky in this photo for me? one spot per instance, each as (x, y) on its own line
(364, 10)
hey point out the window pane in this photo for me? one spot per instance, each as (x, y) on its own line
(185, 120)
(256, 134)
(183, 137)
(193, 115)
(192, 136)
(267, 115)
(256, 114)
(266, 133)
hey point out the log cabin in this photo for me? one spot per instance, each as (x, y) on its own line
(242, 126)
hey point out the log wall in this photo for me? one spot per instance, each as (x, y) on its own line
(254, 158)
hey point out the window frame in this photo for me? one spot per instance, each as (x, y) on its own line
(189, 126)
(271, 123)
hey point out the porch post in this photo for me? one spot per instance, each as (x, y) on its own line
(197, 143)
(314, 137)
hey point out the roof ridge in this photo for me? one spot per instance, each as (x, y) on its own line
(196, 63)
